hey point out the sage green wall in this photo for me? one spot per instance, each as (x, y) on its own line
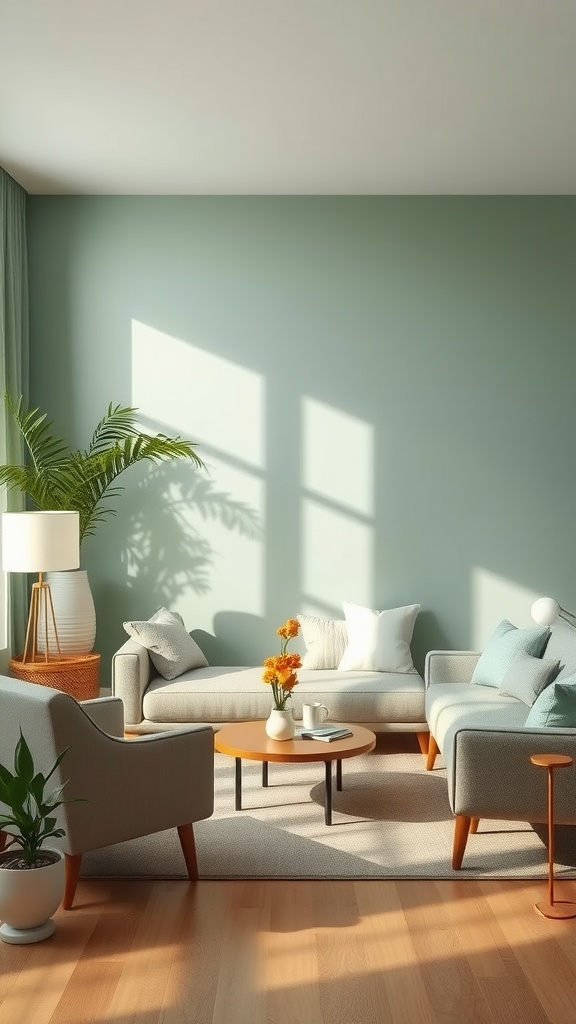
(385, 383)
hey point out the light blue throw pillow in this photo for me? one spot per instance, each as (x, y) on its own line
(501, 649)
(556, 706)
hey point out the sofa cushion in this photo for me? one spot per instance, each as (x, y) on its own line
(379, 641)
(234, 694)
(453, 706)
(505, 643)
(555, 707)
(528, 676)
(325, 641)
(172, 650)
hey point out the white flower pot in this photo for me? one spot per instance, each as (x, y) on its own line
(74, 613)
(280, 725)
(28, 898)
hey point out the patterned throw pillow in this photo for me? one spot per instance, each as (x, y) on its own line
(379, 641)
(172, 650)
(505, 643)
(325, 641)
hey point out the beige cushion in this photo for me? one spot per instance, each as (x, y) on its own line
(172, 650)
(235, 694)
(325, 641)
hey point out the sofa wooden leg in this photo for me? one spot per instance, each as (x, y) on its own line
(186, 834)
(433, 750)
(423, 740)
(73, 862)
(474, 822)
(461, 833)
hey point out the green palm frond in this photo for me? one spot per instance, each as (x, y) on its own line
(57, 478)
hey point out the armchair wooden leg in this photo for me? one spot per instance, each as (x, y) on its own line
(474, 822)
(73, 862)
(433, 750)
(186, 834)
(423, 741)
(461, 833)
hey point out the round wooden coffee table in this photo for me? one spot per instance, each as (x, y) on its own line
(249, 740)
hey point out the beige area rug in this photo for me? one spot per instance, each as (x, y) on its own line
(391, 820)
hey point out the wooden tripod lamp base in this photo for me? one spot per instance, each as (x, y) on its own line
(555, 909)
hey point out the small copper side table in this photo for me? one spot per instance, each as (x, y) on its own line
(553, 908)
(77, 674)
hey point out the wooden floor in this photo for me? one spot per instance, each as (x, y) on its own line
(297, 953)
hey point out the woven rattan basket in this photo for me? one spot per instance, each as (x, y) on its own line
(77, 675)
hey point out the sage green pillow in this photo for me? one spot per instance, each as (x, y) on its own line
(505, 643)
(555, 707)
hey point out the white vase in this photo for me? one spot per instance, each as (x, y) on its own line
(74, 613)
(280, 725)
(28, 898)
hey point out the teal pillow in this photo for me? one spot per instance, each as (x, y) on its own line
(505, 643)
(556, 706)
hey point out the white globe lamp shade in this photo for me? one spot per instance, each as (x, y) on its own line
(545, 611)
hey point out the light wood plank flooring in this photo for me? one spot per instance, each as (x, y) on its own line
(297, 953)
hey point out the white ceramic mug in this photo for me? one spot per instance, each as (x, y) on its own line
(313, 715)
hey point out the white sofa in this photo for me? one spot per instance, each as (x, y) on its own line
(383, 701)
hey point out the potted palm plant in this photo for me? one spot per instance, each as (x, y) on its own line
(58, 478)
(32, 876)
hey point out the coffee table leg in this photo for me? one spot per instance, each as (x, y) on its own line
(238, 788)
(264, 773)
(339, 776)
(328, 793)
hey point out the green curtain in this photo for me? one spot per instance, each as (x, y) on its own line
(13, 370)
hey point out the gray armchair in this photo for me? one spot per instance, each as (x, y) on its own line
(132, 787)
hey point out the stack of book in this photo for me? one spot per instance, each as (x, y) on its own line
(327, 733)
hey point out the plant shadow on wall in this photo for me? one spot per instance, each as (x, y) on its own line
(161, 544)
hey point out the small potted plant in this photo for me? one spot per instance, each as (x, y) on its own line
(32, 876)
(280, 674)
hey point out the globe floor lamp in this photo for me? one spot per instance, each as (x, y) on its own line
(39, 542)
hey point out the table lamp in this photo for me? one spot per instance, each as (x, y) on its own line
(546, 610)
(40, 542)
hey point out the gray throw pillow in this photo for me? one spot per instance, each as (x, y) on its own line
(505, 643)
(555, 707)
(528, 676)
(172, 650)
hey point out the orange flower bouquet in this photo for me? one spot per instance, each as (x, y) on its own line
(280, 670)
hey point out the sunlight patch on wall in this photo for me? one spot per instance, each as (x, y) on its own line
(212, 520)
(494, 598)
(338, 456)
(337, 557)
(197, 394)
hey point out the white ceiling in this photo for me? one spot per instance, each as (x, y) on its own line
(289, 96)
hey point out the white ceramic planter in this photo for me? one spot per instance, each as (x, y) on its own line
(74, 613)
(28, 898)
(280, 725)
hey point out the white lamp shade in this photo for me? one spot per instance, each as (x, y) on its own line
(545, 611)
(40, 541)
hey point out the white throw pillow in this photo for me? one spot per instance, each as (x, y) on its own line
(379, 641)
(325, 641)
(172, 650)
